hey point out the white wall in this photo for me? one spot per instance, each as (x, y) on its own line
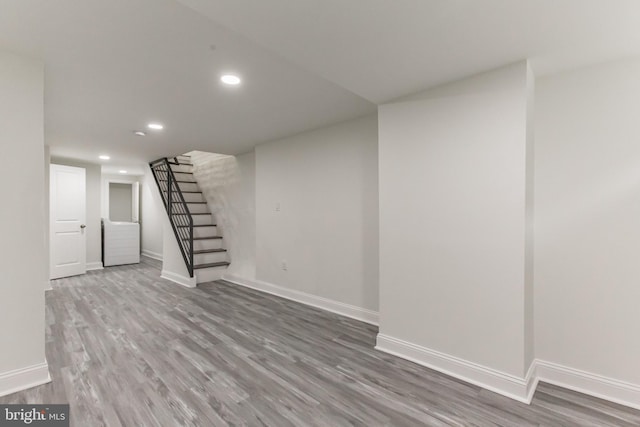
(120, 202)
(173, 266)
(151, 214)
(316, 209)
(23, 256)
(529, 276)
(228, 184)
(46, 219)
(587, 189)
(94, 211)
(453, 204)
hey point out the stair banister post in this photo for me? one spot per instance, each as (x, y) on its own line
(191, 245)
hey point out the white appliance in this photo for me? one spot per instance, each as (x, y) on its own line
(120, 243)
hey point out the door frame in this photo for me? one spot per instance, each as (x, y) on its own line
(135, 195)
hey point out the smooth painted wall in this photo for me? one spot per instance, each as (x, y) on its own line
(47, 219)
(529, 254)
(228, 184)
(173, 265)
(94, 200)
(587, 220)
(316, 211)
(120, 206)
(453, 204)
(151, 214)
(23, 256)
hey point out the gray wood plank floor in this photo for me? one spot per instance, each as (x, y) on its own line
(127, 348)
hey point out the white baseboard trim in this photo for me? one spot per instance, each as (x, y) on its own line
(358, 313)
(520, 389)
(94, 266)
(153, 255)
(24, 378)
(532, 381)
(508, 385)
(188, 282)
(592, 384)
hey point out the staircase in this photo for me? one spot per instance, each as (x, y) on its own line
(193, 224)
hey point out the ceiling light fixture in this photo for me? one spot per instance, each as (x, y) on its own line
(104, 157)
(123, 171)
(155, 126)
(139, 133)
(230, 79)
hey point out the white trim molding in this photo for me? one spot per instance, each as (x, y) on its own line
(532, 381)
(95, 266)
(188, 282)
(24, 378)
(520, 389)
(347, 310)
(152, 255)
(592, 384)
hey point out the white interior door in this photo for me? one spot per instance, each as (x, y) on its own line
(67, 221)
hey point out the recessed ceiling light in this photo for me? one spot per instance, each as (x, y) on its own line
(140, 133)
(155, 126)
(104, 157)
(123, 171)
(230, 79)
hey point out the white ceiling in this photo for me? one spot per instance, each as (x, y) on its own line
(114, 65)
(384, 49)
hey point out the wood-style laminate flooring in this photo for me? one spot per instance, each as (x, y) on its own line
(127, 348)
